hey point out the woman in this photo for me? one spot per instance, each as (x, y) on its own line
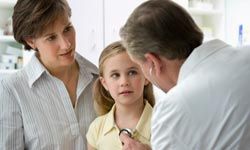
(47, 104)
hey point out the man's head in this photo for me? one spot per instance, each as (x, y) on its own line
(160, 28)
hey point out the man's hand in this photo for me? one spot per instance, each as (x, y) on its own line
(131, 144)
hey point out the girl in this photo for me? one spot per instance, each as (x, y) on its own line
(123, 99)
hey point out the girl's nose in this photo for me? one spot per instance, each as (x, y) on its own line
(124, 81)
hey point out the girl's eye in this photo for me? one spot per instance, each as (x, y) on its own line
(132, 72)
(114, 75)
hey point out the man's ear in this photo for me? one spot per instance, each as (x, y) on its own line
(155, 62)
(31, 42)
(103, 82)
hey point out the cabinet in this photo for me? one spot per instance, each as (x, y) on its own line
(209, 15)
(10, 51)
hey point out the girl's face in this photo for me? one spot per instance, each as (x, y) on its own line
(56, 47)
(123, 79)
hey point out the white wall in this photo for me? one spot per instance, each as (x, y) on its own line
(116, 13)
(97, 23)
(237, 12)
(87, 17)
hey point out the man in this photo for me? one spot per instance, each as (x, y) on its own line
(207, 84)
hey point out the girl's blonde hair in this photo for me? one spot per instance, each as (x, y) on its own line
(103, 101)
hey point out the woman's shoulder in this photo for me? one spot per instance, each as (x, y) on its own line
(14, 79)
(13, 84)
(86, 64)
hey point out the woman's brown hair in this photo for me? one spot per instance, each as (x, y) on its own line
(32, 17)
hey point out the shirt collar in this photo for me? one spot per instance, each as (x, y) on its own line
(198, 55)
(84, 63)
(143, 126)
(110, 123)
(88, 72)
(35, 70)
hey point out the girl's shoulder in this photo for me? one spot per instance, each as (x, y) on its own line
(97, 128)
(99, 120)
(103, 123)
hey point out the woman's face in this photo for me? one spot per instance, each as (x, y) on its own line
(56, 46)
